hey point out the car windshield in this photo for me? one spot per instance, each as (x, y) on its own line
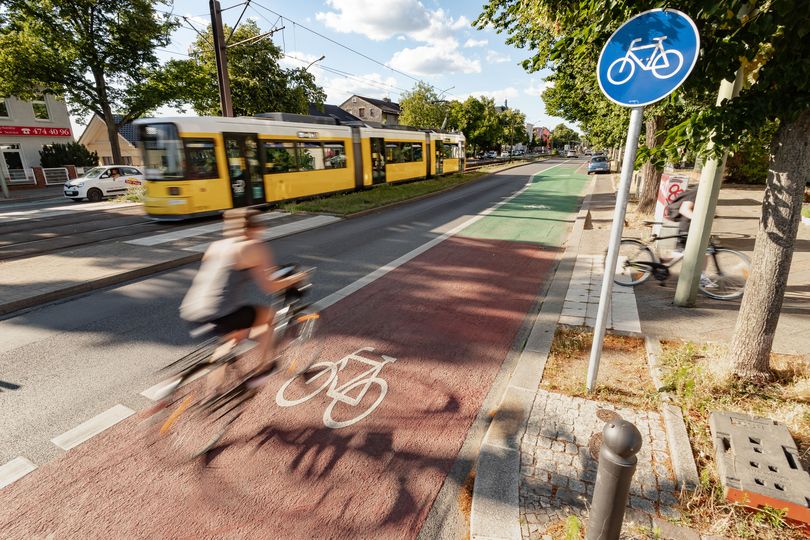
(95, 172)
(599, 159)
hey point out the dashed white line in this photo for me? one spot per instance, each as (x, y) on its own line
(92, 427)
(283, 230)
(163, 238)
(162, 388)
(14, 470)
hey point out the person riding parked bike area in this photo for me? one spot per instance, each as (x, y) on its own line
(220, 292)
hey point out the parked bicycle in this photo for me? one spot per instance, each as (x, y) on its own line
(189, 423)
(724, 275)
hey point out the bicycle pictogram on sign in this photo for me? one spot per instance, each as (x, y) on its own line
(660, 63)
(325, 374)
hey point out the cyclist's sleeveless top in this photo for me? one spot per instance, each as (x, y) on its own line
(218, 288)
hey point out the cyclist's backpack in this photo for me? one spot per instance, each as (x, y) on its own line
(671, 210)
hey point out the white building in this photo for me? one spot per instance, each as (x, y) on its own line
(25, 127)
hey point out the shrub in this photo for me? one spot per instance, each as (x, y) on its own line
(72, 153)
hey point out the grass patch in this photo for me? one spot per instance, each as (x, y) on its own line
(699, 387)
(135, 194)
(623, 374)
(806, 210)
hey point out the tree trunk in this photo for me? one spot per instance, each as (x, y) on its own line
(650, 174)
(104, 102)
(750, 349)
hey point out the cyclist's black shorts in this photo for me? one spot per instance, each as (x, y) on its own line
(242, 318)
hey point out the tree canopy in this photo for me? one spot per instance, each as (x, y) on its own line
(258, 83)
(422, 107)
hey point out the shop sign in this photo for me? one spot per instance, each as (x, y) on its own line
(31, 131)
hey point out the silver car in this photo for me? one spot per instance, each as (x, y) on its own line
(598, 164)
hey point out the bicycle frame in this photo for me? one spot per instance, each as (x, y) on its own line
(336, 392)
(659, 51)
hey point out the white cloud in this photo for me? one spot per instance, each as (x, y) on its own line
(475, 43)
(536, 87)
(339, 89)
(375, 19)
(297, 59)
(510, 92)
(433, 60)
(494, 57)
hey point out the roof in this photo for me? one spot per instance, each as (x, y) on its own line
(386, 106)
(127, 130)
(332, 111)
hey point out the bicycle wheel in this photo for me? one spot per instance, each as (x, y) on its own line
(725, 273)
(307, 385)
(634, 264)
(301, 347)
(329, 414)
(618, 77)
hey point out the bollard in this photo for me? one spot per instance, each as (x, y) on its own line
(621, 441)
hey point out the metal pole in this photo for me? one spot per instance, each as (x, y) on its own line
(621, 441)
(636, 118)
(222, 59)
(700, 229)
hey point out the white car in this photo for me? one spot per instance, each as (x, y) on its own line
(571, 154)
(106, 181)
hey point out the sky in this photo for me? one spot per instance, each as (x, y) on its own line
(394, 42)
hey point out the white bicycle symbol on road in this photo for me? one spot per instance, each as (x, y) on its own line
(659, 62)
(323, 374)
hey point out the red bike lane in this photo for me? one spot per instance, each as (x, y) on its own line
(448, 318)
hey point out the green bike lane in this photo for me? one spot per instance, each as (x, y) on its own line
(434, 332)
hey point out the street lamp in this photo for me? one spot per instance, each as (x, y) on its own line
(317, 60)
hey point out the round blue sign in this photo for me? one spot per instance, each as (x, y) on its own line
(648, 57)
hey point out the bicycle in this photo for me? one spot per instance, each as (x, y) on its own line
(189, 424)
(724, 275)
(325, 374)
(657, 63)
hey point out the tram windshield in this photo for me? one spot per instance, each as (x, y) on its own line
(162, 152)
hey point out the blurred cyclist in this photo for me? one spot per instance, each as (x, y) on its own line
(220, 292)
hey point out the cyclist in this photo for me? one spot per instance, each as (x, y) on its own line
(680, 211)
(220, 292)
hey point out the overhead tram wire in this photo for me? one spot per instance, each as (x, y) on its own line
(256, 3)
(346, 75)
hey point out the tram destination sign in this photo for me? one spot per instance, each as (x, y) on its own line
(33, 131)
(648, 57)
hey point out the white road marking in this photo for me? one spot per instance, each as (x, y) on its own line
(164, 238)
(283, 230)
(14, 470)
(396, 263)
(72, 208)
(162, 388)
(92, 427)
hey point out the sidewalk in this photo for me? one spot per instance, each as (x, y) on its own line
(536, 464)
(24, 195)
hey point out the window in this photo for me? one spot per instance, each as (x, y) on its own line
(130, 170)
(106, 160)
(3, 108)
(279, 157)
(393, 153)
(40, 109)
(334, 155)
(416, 152)
(400, 152)
(362, 112)
(201, 157)
(310, 156)
(162, 152)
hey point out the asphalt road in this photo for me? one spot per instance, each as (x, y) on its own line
(66, 362)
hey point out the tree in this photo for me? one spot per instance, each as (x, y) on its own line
(769, 41)
(514, 127)
(72, 153)
(258, 83)
(562, 135)
(97, 53)
(422, 108)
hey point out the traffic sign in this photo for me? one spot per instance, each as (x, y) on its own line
(648, 57)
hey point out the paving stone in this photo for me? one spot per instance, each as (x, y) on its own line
(642, 504)
(670, 531)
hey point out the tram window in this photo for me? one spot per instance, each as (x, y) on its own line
(279, 157)
(162, 152)
(416, 152)
(334, 155)
(202, 158)
(447, 150)
(393, 153)
(311, 156)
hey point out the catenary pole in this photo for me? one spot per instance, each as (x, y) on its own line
(222, 59)
(633, 131)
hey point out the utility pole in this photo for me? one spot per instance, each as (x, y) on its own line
(222, 59)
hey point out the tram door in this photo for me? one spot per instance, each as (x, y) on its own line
(439, 158)
(244, 169)
(377, 160)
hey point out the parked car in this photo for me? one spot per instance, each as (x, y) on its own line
(504, 154)
(598, 164)
(106, 181)
(571, 154)
(492, 154)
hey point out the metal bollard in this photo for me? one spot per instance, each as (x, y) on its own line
(621, 441)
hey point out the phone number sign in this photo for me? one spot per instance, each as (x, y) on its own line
(32, 131)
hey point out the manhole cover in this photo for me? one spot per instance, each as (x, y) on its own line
(606, 415)
(594, 445)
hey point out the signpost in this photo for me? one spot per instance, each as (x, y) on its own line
(645, 60)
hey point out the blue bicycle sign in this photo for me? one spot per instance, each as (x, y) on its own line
(648, 57)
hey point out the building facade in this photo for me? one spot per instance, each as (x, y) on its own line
(96, 139)
(380, 111)
(25, 127)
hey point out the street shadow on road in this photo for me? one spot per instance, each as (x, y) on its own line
(8, 386)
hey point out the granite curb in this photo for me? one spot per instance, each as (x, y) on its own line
(495, 512)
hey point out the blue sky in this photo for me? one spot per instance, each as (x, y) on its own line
(428, 40)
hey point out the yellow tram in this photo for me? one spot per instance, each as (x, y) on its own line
(198, 166)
